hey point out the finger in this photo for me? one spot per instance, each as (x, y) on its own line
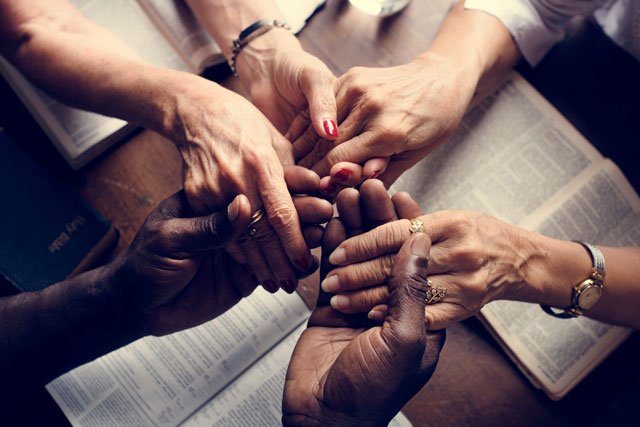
(299, 124)
(326, 316)
(301, 180)
(348, 205)
(305, 144)
(361, 275)
(328, 188)
(313, 210)
(377, 206)
(313, 235)
(384, 239)
(361, 301)
(317, 84)
(283, 218)
(207, 232)
(346, 174)
(374, 167)
(320, 149)
(404, 323)
(357, 150)
(378, 313)
(237, 254)
(257, 263)
(333, 235)
(275, 255)
(406, 207)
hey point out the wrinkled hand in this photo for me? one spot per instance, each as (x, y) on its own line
(230, 148)
(175, 274)
(345, 372)
(290, 86)
(475, 256)
(394, 115)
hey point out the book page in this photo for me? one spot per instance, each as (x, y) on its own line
(509, 155)
(160, 381)
(73, 131)
(181, 28)
(178, 25)
(129, 22)
(255, 398)
(601, 208)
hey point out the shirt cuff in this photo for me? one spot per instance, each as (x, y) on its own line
(533, 38)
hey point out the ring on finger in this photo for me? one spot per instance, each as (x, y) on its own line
(257, 216)
(435, 293)
(416, 226)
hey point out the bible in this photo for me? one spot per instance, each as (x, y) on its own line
(228, 371)
(48, 233)
(163, 33)
(515, 157)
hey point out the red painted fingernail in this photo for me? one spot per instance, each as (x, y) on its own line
(341, 175)
(247, 269)
(303, 263)
(331, 188)
(373, 175)
(330, 128)
(270, 286)
(288, 286)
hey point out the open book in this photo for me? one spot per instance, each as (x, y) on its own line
(162, 32)
(229, 371)
(517, 158)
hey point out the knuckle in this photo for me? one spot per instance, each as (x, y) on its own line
(281, 215)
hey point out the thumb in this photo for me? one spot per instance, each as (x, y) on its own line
(317, 84)
(208, 232)
(404, 324)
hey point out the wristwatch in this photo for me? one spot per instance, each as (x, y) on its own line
(586, 293)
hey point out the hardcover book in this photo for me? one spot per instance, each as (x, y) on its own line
(48, 233)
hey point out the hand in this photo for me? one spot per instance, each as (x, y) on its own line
(476, 257)
(175, 275)
(230, 148)
(345, 372)
(290, 86)
(394, 115)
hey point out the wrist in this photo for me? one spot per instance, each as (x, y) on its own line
(254, 63)
(554, 268)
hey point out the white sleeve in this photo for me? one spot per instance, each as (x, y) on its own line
(536, 25)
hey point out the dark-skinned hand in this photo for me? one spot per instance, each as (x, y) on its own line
(345, 370)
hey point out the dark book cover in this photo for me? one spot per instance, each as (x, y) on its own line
(47, 233)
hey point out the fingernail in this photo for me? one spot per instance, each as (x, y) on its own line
(330, 128)
(270, 286)
(338, 256)
(340, 302)
(331, 284)
(288, 286)
(303, 264)
(376, 316)
(341, 175)
(331, 188)
(420, 245)
(247, 269)
(374, 175)
(232, 210)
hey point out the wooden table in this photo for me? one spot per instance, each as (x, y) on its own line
(590, 80)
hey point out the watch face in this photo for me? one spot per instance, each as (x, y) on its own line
(589, 296)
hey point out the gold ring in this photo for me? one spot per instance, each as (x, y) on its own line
(416, 226)
(257, 216)
(435, 294)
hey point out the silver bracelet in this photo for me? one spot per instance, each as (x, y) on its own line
(250, 33)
